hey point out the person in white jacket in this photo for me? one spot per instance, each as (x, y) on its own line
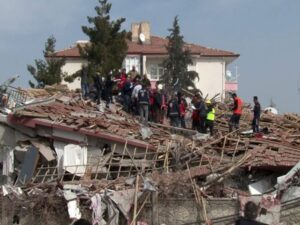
(134, 97)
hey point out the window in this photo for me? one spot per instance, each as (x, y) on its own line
(131, 61)
(155, 72)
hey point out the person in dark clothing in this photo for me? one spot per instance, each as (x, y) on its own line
(179, 96)
(250, 214)
(256, 115)
(202, 115)
(160, 104)
(82, 222)
(108, 90)
(99, 87)
(173, 111)
(146, 81)
(156, 105)
(237, 112)
(84, 82)
(126, 93)
(143, 103)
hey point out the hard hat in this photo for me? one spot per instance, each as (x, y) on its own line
(208, 101)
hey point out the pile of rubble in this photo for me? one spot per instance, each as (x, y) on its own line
(101, 163)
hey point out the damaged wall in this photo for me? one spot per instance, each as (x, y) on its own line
(290, 213)
(7, 136)
(220, 211)
(178, 211)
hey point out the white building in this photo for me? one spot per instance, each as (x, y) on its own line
(147, 52)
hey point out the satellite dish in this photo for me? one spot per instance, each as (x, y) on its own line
(271, 110)
(142, 37)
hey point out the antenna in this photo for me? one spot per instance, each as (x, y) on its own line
(236, 73)
(272, 103)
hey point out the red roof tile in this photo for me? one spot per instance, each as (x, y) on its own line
(156, 47)
(286, 156)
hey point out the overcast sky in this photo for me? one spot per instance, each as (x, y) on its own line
(266, 34)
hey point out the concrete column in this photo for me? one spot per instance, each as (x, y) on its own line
(144, 61)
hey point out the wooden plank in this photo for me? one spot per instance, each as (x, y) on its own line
(154, 201)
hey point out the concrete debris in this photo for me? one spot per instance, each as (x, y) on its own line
(73, 210)
(103, 160)
(9, 189)
(200, 137)
(145, 132)
(45, 150)
(124, 199)
(269, 208)
(98, 208)
(262, 186)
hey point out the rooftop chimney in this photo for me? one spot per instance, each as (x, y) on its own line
(141, 32)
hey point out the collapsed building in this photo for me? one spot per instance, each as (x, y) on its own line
(64, 158)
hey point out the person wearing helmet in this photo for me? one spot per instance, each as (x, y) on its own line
(210, 117)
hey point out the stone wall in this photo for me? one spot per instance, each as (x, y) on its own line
(178, 211)
(290, 213)
(220, 211)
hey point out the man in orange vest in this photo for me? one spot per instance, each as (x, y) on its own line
(237, 112)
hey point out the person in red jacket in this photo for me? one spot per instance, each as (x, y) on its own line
(122, 79)
(195, 115)
(237, 112)
(182, 111)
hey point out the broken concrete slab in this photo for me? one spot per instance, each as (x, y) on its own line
(44, 149)
(262, 186)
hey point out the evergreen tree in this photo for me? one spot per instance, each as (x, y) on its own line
(176, 75)
(47, 71)
(107, 48)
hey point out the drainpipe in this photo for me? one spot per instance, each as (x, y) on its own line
(223, 82)
(142, 64)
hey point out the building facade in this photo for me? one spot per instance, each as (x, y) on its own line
(147, 53)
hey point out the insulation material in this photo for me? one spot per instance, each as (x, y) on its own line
(7, 159)
(98, 208)
(75, 159)
(59, 149)
(70, 157)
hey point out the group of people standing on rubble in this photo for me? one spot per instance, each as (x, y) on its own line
(154, 104)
